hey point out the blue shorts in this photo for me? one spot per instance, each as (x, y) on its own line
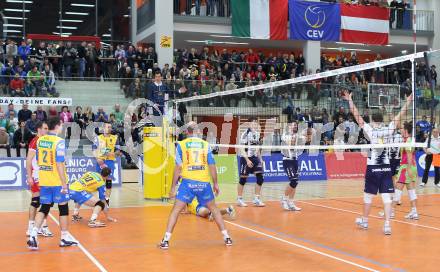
(394, 164)
(291, 168)
(52, 194)
(110, 164)
(255, 169)
(189, 189)
(80, 197)
(379, 178)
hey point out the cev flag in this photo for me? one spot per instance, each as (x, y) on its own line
(314, 21)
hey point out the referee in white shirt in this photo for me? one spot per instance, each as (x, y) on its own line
(430, 152)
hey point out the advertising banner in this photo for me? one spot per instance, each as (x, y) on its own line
(13, 171)
(227, 168)
(314, 21)
(310, 167)
(346, 165)
(13, 174)
(43, 101)
(420, 158)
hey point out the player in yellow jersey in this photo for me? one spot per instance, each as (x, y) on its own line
(195, 164)
(106, 148)
(81, 191)
(202, 211)
(53, 182)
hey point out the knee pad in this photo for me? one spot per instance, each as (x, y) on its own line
(100, 204)
(397, 195)
(260, 178)
(412, 194)
(293, 183)
(368, 198)
(386, 198)
(242, 181)
(35, 202)
(64, 209)
(45, 208)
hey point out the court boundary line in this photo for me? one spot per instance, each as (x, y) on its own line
(373, 216)
(302, 247)
(80, 246)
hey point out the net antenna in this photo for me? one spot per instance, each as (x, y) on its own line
(430, 59)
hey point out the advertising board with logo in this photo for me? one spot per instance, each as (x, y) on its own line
(13, 174)
(13, 171)
(227, 168)
(420, 158)
(346, 165)
(310, 167)
(314, 21)
(77, 166)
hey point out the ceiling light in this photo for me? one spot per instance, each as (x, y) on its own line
(77, 13)
(71, 21)
(20, 2)
(215, 42)
(106, 35)
(14, 25)
(64, 33)
(349, 43)
(11, 31)
(389, 45)
(67, 27)
(126, 15)
(82, 5)
(14, 18)
(18, 10)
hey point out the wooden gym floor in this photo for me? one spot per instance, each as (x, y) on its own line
(322, 237)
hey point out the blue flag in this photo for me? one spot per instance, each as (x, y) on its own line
(314, 21)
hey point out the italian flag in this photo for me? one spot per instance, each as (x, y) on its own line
(260, 19)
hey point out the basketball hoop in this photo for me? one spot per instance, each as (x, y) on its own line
(389, 108)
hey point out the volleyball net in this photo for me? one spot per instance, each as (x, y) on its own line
(328, 109)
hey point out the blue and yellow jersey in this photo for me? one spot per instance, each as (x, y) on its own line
(192, 207)
(51, 150)
(194, 156)
(90, 182)
(104, 145)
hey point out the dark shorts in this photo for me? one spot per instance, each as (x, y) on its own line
(394, 164)
(378, 178)
(291, 169)
(255, 169)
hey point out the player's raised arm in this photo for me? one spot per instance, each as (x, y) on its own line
(403, 110)
(349, 97)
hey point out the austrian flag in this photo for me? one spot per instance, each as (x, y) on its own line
(364, 24)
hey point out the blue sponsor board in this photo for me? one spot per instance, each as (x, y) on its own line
(13, 174)
(13, 171)
(77, 166)
(310, 167)
(420, 158)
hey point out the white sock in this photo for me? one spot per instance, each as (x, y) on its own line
(257, 196)
(240, 197)
(64, 234)
(93, 217)
(364, 219)
(75, 211)
(387, 223)
(285, 198)
(31, 224)
(34, 231)
(44, 225)
(225, 234)
(167, 236)
(414, 209)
